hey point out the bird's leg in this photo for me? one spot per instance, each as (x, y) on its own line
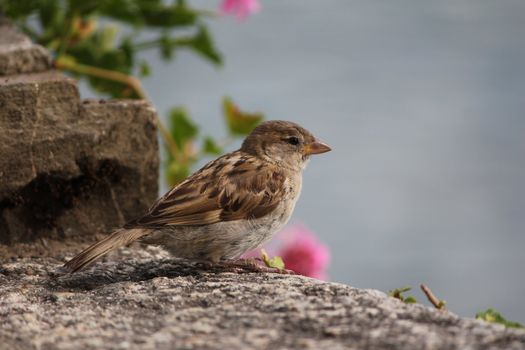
(251, 264)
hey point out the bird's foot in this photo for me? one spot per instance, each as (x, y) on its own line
(251, 265)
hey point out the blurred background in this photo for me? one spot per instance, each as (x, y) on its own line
(423, 104)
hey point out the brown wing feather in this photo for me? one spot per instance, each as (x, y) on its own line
(233, 187)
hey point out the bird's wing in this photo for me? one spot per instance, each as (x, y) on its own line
(233, 187)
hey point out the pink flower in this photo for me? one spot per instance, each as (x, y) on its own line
(239, 8)
(305, 254)
(300, 250)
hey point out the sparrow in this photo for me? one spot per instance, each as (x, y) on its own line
(233, 204)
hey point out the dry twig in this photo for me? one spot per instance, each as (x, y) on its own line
(438, 304)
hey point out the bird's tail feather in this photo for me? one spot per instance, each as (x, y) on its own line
(117, 239)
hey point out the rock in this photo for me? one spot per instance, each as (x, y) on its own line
(144, 299)
(68, 167)
(17, 53)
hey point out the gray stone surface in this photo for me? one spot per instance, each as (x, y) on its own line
(68, 167)
(18, 54)
(143, 299)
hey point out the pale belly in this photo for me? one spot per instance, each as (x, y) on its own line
(223, 240)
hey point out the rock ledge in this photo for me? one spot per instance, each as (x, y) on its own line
(147, 300)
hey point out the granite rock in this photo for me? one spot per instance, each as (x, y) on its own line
(145, 299)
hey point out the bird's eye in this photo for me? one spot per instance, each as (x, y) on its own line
(293, 140)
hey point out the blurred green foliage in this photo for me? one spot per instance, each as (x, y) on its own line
(493, 316)
(239, 123)
(99, 41)
(185, 133)
(106, 34)
(398, 294)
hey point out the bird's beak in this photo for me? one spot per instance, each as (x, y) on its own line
(316, 147)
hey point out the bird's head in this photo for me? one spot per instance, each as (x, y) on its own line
(284, 143)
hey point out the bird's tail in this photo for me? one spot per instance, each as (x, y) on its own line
(119, 238)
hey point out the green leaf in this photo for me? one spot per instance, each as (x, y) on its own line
(144, 69)
(493, 316)
(48, 13)
(410, 300)
(175, 172)
(182, 127)
(19, 9)
(211, 147)
(398, 294)
(128, 52)
(275, 262)
(152, 13)
(167, 47)
(202, 44)
(107, 37)
(239, 123)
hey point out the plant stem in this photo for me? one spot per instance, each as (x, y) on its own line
(128, 80)
(145, 45)
(170, 142)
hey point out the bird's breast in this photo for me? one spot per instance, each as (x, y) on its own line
(264, 228)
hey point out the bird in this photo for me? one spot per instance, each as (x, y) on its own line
(232, 205)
